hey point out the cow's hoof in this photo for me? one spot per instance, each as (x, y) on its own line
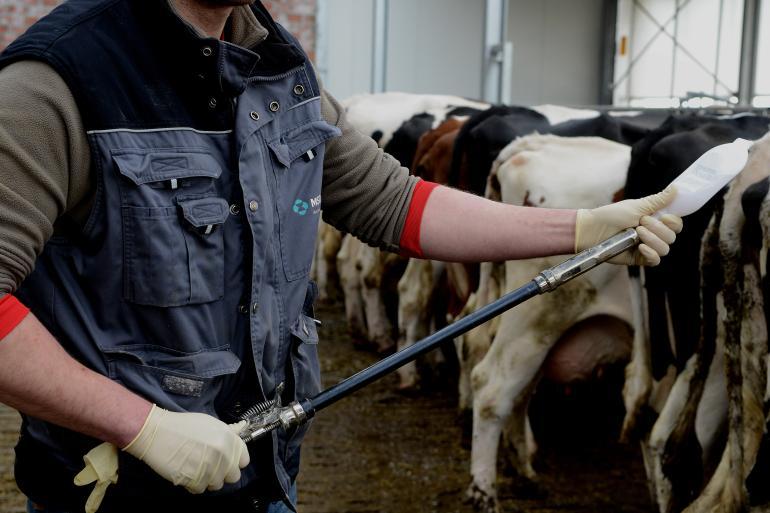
(483, 502)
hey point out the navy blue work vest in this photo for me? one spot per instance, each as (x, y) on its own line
(188, 283)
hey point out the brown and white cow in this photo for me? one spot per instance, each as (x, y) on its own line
(396, 121)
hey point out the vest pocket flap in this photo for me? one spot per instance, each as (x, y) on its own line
(205, 212)
(300, 141)
(146, 166)
(203, 364)
(304, 328)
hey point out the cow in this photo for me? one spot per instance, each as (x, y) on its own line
(674, 393)
(381, 115)
(733, 246)
(472, 347)
(419, 310)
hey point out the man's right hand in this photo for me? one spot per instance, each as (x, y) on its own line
(194, 450)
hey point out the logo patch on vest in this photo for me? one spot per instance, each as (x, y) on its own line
(301, 207)
(183, 386)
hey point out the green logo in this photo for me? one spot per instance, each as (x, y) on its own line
(300, 207)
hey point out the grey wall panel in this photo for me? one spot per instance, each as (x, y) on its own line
(348, 53)
(556, 51)
(435, 46)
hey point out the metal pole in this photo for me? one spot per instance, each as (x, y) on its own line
(719, 44)
(266, 417)
(749, 44)
(321, 40)
(608, 51)
(495, 34)
(547, 281)
(674, 50)
(386, 366)
(380, 46)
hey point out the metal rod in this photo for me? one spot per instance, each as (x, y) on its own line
(297, 413)
(548, 280)
(749, 47)
(380, 46)
(394, 361)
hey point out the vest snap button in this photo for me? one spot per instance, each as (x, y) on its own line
(207, 51)
(254, 308)
(244, 309)
(299, 89)
(254, 115)
(253, 205)
(274, 106)
(235, 209)
(212, 102)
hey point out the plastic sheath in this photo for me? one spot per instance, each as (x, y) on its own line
(387, 365)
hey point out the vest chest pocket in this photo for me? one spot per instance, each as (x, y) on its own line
(173, 245)
(298, 160)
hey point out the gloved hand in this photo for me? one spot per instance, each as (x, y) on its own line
(194, 450)
(102, 468)
(598, 224)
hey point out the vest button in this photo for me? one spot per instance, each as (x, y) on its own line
(299, 89)
(253, 205)
(235, 209)
(254, 308)
(244, 309)
(274, 106)
(207, 51)
(254, 115)
(212, 102)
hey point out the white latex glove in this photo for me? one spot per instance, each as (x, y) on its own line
(101, 468)
(193, 450)
(598, 224)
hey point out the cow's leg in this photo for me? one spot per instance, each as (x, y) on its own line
(680, 456)
(664, 426)
(519, 441)
(745, 351)
(324, 268)
(638, 383)
(351, 289)
(472, 346)
(413, 292)
(712, 411)
(379, 328)
(498, 382)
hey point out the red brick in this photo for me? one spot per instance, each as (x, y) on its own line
(298, 16)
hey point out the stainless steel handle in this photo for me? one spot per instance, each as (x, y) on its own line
(553, 278)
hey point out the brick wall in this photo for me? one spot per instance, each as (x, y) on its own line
(296, 15)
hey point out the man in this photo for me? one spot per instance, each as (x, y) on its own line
(161, 166)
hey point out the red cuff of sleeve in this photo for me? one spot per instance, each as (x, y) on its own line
(410, 236)
(12, 312)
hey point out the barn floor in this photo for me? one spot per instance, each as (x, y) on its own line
(379, 451)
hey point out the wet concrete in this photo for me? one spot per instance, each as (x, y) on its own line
(380, 451)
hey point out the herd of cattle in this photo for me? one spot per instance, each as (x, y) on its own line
(693, 331)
